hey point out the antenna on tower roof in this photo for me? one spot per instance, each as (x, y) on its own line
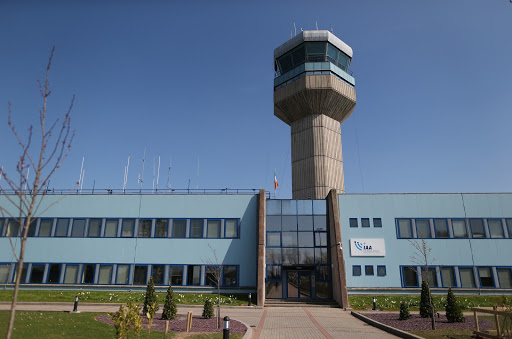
(169, 176)
(126, 168)
(316, 22)
(158, 174)
(331, 29)
(295, 28)
(141, 176)
(81, 178)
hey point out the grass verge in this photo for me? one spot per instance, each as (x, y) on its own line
(58, 325)
(119, 297)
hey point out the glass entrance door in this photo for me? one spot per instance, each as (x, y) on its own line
(298, 284)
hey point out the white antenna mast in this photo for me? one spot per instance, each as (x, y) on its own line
(152, 191)
(126, 168)
(26, 179)
(81, 175)
(169, 176)
(295, 28)
(141, 176)
(1, 172)
(316, 24)
(82, 182)
(158, 174)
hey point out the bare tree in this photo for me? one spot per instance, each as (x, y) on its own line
(422, 256)
(24, 196)
(214, 273)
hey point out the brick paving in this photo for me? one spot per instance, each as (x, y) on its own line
(271, 322)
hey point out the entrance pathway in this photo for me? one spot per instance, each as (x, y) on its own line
(269, 322)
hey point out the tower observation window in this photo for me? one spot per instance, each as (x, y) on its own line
(312, 52)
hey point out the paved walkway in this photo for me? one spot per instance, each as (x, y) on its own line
(269, 322)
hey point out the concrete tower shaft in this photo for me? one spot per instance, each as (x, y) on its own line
(313, 93)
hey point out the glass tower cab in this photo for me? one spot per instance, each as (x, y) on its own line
(313, 52)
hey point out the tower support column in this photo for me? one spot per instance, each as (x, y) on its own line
(317, 160)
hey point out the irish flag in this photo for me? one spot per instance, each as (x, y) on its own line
(275, 180)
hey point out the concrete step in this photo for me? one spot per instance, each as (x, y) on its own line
(300, 303)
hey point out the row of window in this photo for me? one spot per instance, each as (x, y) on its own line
(296, 239)
(296, 256)
(312, 52)
(122, 274)
(125, 228)
(454, 228)
(296, 207)
(365, 222)
(296, 223)
(368, 270)
(457, 276)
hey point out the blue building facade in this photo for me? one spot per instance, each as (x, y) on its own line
(284, 249)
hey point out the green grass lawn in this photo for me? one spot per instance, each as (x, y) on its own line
(392, 302)
(67, 325)
(119, 297)
(444, 334)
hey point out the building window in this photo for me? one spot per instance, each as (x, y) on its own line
(94, 228)
(289, 223)
(306, 256)
(140, 275)
(368, 270)
(477, 228)
(423, 228)
(161, 228)
(430, 275)
(365, 222)
(158, 274)
(36, 276)
(495, 228)
(353, 222)
(212, 273)
(123, 274)
(504, 276)
(62, 228)
(13, 228)
(289, 239)
(179, 228)
(410, 277)
(71, 274)
(196, 228)
(448, 277)
(229, 276)
(54, 273)
(459, 228)
(305, 223)
(320, 223)
(467, 277)
(356, 270)
(78, 229)
(31, 228)
(127, 228)
(88, 274)
(145, 228)
(290, 256)
(509, 226)
(273, 239)
(176, 276)
(1, 226)
(111, 228)
(404, 228)
(320, 255)
(274, 223)
(441, 226)
(231, 228)
(273, 256)
(4, 271)
(377, 222)
(486, 279)
(45, 227)
(193, 275)
(105, 277)
(381, 270)
(320, 239)
(273, 272)
(213, 228)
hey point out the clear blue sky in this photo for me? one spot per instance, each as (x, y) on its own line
(189, 80)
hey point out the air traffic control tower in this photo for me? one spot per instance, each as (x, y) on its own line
(314, 93)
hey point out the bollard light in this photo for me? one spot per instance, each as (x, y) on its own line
(250, 301)
(225, 332)
(374, 303)
(75, 307)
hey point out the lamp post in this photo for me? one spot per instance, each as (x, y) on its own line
(225, 331)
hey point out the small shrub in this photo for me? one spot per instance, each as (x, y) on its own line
(170, 308)
(150, 297)
(425, 308)
(453, 309)
(208, 309)
(404, 311)
(127, 319)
